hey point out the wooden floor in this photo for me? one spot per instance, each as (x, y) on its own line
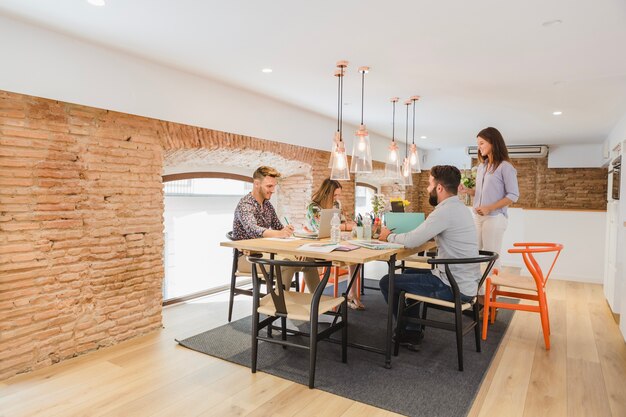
(584, 374)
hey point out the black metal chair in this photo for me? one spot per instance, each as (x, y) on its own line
(234, 290)
(283, 305)
(235, 273)
(457, 306)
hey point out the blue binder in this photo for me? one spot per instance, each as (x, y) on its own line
(403, 222)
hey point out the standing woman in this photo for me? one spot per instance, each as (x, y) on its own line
(496, 189)
(328, 197)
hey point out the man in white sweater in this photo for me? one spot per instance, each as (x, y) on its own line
(452, 226)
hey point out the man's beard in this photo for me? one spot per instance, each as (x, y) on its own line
(432, 198)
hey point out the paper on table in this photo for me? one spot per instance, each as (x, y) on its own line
(319, 247)
(375, 244)
(282, 238)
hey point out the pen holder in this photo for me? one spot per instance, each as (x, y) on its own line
(359, 232)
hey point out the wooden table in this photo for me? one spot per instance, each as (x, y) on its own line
(356, 257)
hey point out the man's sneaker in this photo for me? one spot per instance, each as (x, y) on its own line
(411, 339)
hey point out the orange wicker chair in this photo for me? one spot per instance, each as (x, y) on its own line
(505, 285)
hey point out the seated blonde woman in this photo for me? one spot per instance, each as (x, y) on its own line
(327, 197)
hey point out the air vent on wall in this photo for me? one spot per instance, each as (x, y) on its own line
(518, 151)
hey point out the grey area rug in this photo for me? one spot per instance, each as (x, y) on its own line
(424, 383)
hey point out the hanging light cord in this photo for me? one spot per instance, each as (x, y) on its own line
(406, 133)
(393, 123)
(413, 122)
(362, 92)
(338, 101)
(341, 106)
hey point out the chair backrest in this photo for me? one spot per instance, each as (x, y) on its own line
(403, 222)
(271, 276)
(487, 257)
(230, 236)
(527, 249)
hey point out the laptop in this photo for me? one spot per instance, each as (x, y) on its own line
(403, 222)
(326, 215)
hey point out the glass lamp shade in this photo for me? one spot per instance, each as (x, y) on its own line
(361, 152)
(407, 175)
(392, 166)
(339, 170)
(414, 158)
(333, 150)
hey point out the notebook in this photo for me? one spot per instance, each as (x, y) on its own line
(326, 215)
(403, 222)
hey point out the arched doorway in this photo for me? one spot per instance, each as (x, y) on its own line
(198, 212)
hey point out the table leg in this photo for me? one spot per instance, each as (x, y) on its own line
(392, 270)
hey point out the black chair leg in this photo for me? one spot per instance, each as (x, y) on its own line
(458, 324)
(424, 314)
(283, 328)
(362, 279)
(344, 331)
(399, 323)
(312, 351)
(477, 328)
(233, 280)
(255, 341)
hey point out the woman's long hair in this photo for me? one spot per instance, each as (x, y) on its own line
(323, 197)
(499, 152)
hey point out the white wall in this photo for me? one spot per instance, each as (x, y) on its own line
(449, 156)
(581, 233)
(576, 156)
(47, 64)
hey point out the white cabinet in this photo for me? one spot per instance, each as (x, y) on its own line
(611, 280)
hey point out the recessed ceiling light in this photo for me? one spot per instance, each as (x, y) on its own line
(549, 23)
(96, 2)
(557, 113)
(266, 70)
(423, 137)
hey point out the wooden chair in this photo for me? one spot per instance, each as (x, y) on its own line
(283, 305)
(457, 306)
(534, 287)
(235, 274)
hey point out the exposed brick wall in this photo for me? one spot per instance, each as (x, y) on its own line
(81, 220)
(81, 230)
(540, 187)
(565, 188)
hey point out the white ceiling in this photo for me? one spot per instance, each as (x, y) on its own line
(475, 63)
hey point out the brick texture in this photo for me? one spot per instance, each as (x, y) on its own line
(81, 217)
(540, 187)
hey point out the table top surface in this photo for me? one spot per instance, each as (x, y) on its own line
(356, 256)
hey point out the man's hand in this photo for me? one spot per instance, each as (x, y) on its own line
(384, 233)
(286, 231)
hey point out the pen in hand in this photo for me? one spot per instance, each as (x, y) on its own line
(286, 221)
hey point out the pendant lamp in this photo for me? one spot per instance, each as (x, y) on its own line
(392, 166)
(414, 156)
(339, 169)
(334, 146)
(361, 150)
(406, 164)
